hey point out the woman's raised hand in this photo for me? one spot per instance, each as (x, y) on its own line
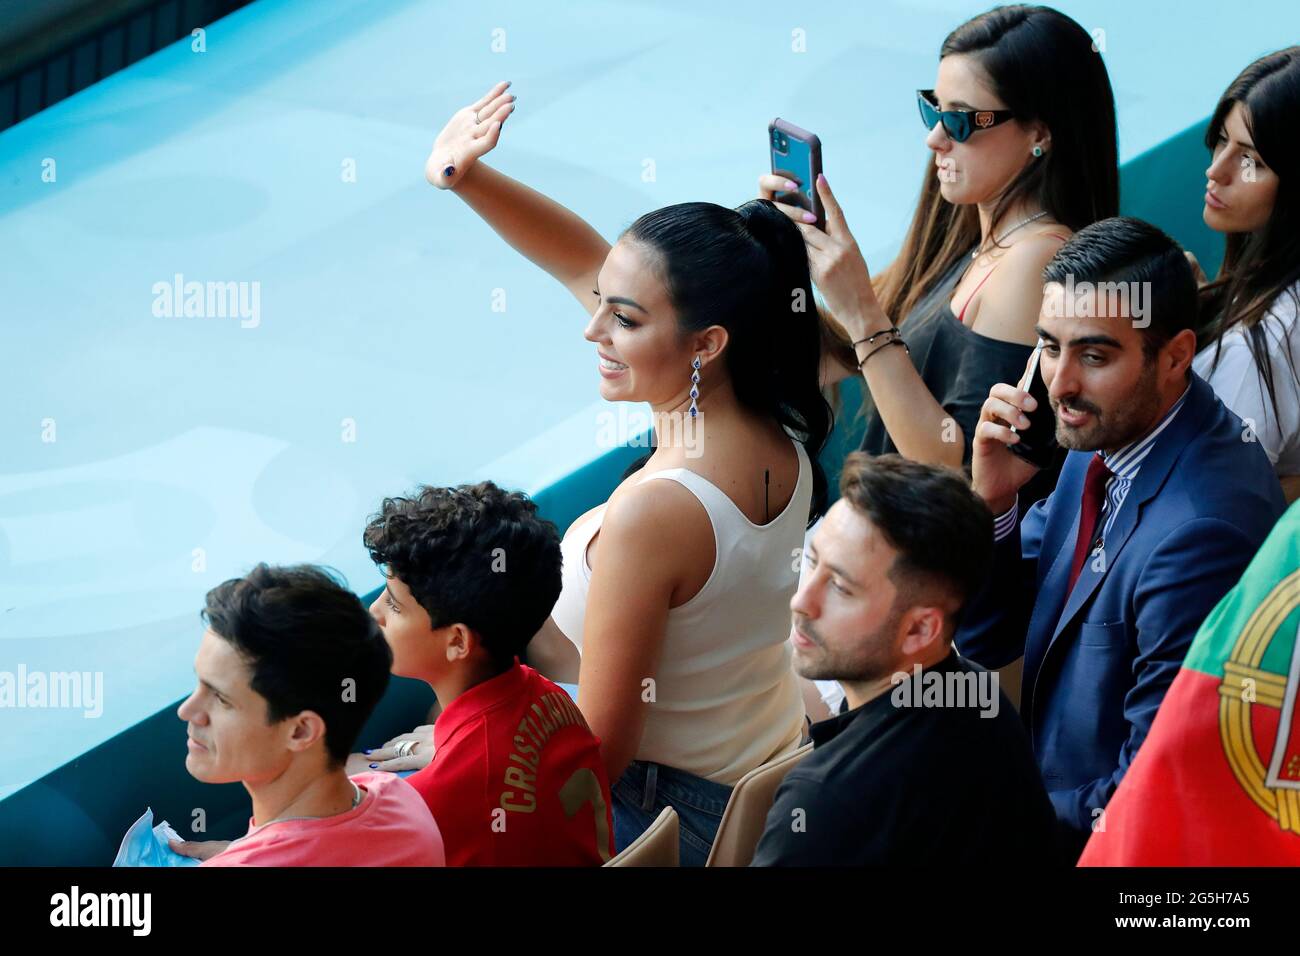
(469, 134)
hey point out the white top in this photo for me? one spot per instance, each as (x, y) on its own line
(726, 696)
(1236, 380)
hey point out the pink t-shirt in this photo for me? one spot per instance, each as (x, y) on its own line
(392, 826)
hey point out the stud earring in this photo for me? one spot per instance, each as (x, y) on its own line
(1038, 151)
(695, 385)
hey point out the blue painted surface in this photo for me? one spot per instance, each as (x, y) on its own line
(376, 295)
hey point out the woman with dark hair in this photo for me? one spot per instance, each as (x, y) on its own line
(1021, 127)
(674, 611)
(1250, 333)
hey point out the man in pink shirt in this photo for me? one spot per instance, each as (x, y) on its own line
(289, 669)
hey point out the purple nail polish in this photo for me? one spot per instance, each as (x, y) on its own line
(809, 217)
(791, 185)
(374, 766)
(366, 752)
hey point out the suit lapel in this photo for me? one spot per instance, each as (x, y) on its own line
(1150, 479)
(1098, 562)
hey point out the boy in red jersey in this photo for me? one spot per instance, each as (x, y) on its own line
(516, 777)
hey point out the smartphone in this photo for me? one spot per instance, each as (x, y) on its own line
(1037, 443)
(797, 155)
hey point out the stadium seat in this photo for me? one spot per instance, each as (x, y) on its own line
(658, 846)
(1009, 680)
(746, 813)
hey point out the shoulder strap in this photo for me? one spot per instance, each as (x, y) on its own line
(961, 316)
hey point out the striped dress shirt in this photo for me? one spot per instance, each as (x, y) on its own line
(1124, 464)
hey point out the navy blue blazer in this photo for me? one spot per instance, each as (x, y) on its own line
(1099, 660)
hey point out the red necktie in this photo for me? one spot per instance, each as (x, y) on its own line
(1094, 492)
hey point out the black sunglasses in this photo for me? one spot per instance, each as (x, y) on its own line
(958, 124)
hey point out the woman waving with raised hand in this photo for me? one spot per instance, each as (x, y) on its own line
(674, 611)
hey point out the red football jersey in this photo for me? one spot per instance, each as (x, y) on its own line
(516, 778)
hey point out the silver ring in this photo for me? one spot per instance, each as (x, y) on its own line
(405, 748)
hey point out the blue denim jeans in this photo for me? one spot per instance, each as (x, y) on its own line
(643, 791)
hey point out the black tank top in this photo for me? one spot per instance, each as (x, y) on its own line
(958, 366)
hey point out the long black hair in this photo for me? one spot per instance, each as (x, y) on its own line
(1043, 66)
(746, 269)
(1258, 267)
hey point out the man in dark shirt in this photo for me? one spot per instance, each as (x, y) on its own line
(930, 764)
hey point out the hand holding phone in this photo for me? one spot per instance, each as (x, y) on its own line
(1037, 443)
(797, 155)
(997, 476)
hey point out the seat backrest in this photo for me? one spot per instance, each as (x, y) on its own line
(746, 814)
(1009, 677)
(656, 847)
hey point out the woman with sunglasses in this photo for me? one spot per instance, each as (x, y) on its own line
(1021, 127)
(1250, 334)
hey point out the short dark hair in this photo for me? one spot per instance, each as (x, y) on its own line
(475, 555)
(303, 634)
(1124, 249)
(942, 530)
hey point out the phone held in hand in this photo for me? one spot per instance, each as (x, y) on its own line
(1037, 443)
(797, 155)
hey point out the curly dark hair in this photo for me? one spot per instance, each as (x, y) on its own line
(303, 634)
(475, 555)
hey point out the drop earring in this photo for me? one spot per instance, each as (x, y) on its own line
(695, 385)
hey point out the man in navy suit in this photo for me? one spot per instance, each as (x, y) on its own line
(1164, 498)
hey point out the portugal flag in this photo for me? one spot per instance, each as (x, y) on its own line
(1217, 781)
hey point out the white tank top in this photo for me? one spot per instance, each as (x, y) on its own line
(726, 696)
